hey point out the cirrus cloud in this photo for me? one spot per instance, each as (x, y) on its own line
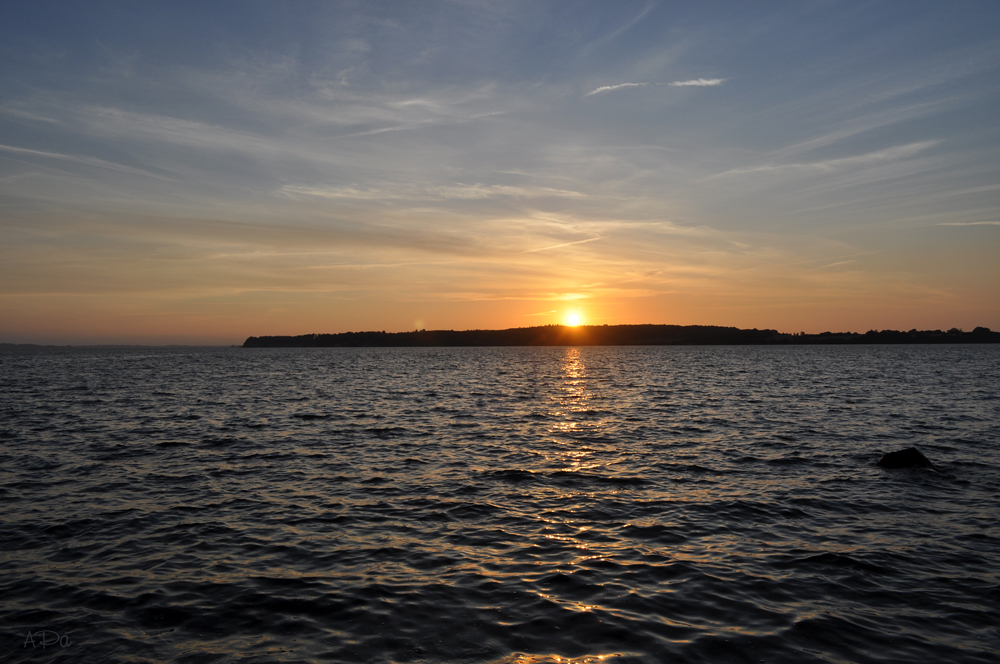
(609, 88)
(699, 82)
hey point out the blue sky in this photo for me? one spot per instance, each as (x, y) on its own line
(201, 172)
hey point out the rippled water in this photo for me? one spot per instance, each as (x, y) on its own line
(499, 505)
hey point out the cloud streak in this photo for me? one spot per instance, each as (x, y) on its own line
(564, 244)
(894, 153)
(610, 88)
(88, 161)
(699, 83)
(452, 192)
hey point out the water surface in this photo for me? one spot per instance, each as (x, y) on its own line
(499, 505)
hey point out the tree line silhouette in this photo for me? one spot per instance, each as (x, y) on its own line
(618, 335)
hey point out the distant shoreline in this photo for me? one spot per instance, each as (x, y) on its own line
(564, 335)
(618, 335)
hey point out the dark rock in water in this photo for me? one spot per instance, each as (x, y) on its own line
(908, 458)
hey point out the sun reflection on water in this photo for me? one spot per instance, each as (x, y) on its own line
(576, 424)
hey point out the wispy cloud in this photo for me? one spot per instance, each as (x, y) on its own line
(564, 244)
(971, 223)
(698, 82)
(26, 115)
(609, 88)
(89, 161)
(889, 154)
(454, 192)
(490, 191)
(865, 122)
(611, 36)
(385, 130)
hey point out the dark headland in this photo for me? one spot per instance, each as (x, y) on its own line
(619, 335)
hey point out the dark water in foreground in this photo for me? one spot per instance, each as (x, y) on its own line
(499, 505)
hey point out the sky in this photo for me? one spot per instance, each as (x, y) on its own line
(200, 172)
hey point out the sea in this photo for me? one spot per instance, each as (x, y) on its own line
(499, 505)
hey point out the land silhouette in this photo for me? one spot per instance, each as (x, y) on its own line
(619, 335)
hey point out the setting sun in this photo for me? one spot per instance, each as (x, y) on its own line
(573, 320)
